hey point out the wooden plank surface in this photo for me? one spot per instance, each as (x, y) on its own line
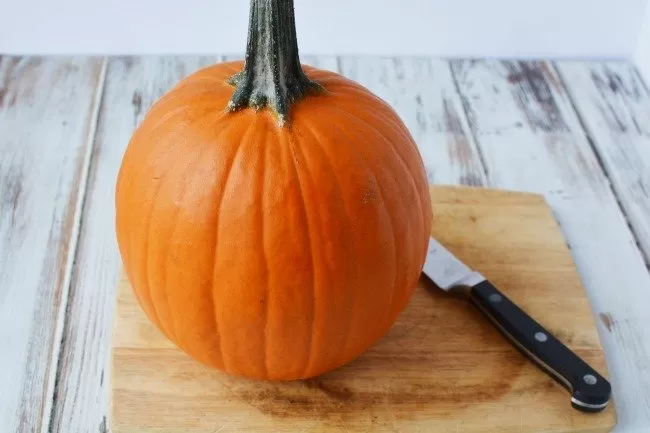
(47, 120)
(442, 368)
(132, 85)
(614, 106)
(50, 122)
(532, 140)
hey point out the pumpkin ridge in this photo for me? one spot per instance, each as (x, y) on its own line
(147, 277)
(214, 254)
(393, 232)
(173, 336)
(188, 171)
(382, 111)
(390, 146)
(360, 158)
(174, 226)
(265, 318)
(216, 242)
(391, 223)
(317, 140)
(387, 119)
(316, 74)
(145, 266)
(354, 90)
(203, 96)
(400, 158)
(159, 105)
(292, 155)
(326, 78)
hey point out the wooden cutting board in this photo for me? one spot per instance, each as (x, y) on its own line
(442, 368)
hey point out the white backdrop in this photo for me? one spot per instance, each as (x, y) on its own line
(503, 28)
(643, 48)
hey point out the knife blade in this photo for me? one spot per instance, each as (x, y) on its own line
(590, 392)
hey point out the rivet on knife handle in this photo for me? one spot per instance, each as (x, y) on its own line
(590, 391)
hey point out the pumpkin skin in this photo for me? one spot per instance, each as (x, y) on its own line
(272, 252)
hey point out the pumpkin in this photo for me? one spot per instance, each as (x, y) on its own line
(272, 217)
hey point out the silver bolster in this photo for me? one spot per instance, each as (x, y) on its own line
(471, 280)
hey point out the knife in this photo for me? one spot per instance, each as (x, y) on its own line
(590, 392)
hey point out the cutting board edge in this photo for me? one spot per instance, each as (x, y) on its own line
(518, 195)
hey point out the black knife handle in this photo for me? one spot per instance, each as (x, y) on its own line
(590, 391)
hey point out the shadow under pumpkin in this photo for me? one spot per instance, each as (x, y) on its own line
(426, 376)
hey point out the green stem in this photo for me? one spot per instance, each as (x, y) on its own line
(272, 75)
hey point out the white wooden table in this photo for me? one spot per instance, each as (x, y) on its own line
(578, 132)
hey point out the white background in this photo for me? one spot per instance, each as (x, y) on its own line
(643, 47)
(503, 28)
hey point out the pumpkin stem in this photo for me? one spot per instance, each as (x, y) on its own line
(272, 75)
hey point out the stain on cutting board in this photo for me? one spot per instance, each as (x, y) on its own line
(352, 393)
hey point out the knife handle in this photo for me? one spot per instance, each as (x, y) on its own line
(590, 391)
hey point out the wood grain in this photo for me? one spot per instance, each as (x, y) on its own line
(442, 368)
(614, 106)
(532, 140)
(422, 92)
(132, 85)
(47, 120)
(513, 125)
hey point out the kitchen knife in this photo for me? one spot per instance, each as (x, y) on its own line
(590, 392)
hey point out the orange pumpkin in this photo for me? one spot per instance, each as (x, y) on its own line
(279, 241)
